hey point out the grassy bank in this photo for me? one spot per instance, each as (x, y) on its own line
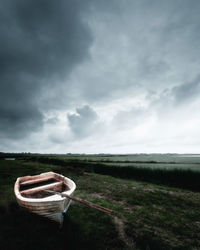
(148, 216)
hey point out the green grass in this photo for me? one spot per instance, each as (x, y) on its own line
(147, 216)
(154, 216)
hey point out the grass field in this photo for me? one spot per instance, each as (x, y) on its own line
(156, 158)
(147, 215)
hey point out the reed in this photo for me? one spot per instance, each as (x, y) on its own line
(177, 177)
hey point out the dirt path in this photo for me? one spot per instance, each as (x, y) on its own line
(119, 225)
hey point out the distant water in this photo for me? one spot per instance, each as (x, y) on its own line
(188, 155)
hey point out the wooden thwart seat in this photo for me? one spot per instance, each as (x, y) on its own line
(29, 182)
(53, 186)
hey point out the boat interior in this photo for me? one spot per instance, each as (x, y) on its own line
(38, 187)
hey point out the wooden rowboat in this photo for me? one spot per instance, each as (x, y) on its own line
(40, 194)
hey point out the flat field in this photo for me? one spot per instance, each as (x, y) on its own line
(148, 215)
(155, 161)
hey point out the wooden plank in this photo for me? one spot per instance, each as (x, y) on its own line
(41, 188)
(29, 182)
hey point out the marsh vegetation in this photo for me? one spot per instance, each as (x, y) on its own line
(150, 212)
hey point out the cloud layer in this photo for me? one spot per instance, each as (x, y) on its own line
(99, 76)
(41, 42)
(82, 123)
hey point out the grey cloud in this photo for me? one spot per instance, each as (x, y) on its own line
(82, 123)
(57, 138)
(17, 121)
(52, 120)
(170, 106)
(56, 55)
(131, 118)
(164, 104)
(171, 100)
(151, 67)
(41, 42)
(187, 91)
(139, 45)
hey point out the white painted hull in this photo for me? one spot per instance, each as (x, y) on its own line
(52, 206)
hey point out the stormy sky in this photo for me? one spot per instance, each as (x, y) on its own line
(100, 76)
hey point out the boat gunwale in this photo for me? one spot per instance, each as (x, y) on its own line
(52, 198)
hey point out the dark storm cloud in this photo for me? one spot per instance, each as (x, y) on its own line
(40, 43)
(57, 55)
(83, 121)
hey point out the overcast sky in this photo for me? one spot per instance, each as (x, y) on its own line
(90, 76)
